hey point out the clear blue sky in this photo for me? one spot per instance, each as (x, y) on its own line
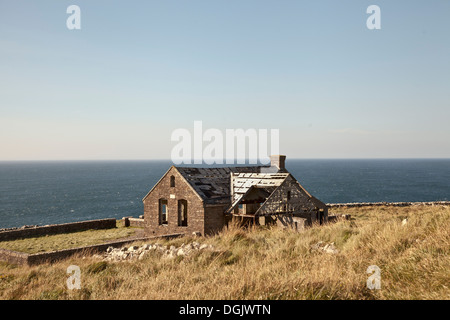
(137, 70)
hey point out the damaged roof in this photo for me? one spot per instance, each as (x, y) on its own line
(242, 183)
(213, 184)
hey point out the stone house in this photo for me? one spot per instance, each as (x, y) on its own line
(204, 200)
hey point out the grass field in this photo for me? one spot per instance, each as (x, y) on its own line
(269, 263)
(67, 240)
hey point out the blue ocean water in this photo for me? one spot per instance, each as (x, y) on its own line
(39, 193)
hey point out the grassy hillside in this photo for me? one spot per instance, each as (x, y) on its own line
(270, 264)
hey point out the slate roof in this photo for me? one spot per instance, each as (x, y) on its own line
(213, 184)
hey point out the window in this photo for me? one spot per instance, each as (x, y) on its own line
(289, 195)
(163, 211)
(172, 181)
(182, 213)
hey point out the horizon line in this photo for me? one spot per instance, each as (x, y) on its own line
(224, 160)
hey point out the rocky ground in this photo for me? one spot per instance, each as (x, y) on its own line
(138, 252)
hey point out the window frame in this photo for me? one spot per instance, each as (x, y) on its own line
(163, 202)
(182, 214)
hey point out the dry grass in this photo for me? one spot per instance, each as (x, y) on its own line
(270, 264)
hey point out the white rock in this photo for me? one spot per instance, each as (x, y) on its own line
(330, 248)
(327, 248)
(317, 246)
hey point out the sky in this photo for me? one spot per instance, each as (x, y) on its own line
(138, 70)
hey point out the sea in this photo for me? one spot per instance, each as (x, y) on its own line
(49, 192)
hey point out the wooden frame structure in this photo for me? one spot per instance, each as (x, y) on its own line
(272, 195)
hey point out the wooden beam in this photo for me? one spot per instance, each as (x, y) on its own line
(243, 215)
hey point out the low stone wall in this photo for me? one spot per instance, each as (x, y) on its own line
(13, 257)
(133, 222)
(57, 229)
(52, 256)
(394, 204)
(21, 258)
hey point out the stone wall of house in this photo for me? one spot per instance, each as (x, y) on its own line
(181, 191)
(214, 218)
(295, 223)
(57, 229)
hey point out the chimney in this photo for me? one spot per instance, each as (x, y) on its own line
(277, 161)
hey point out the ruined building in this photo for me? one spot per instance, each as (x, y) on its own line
(204, 200)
